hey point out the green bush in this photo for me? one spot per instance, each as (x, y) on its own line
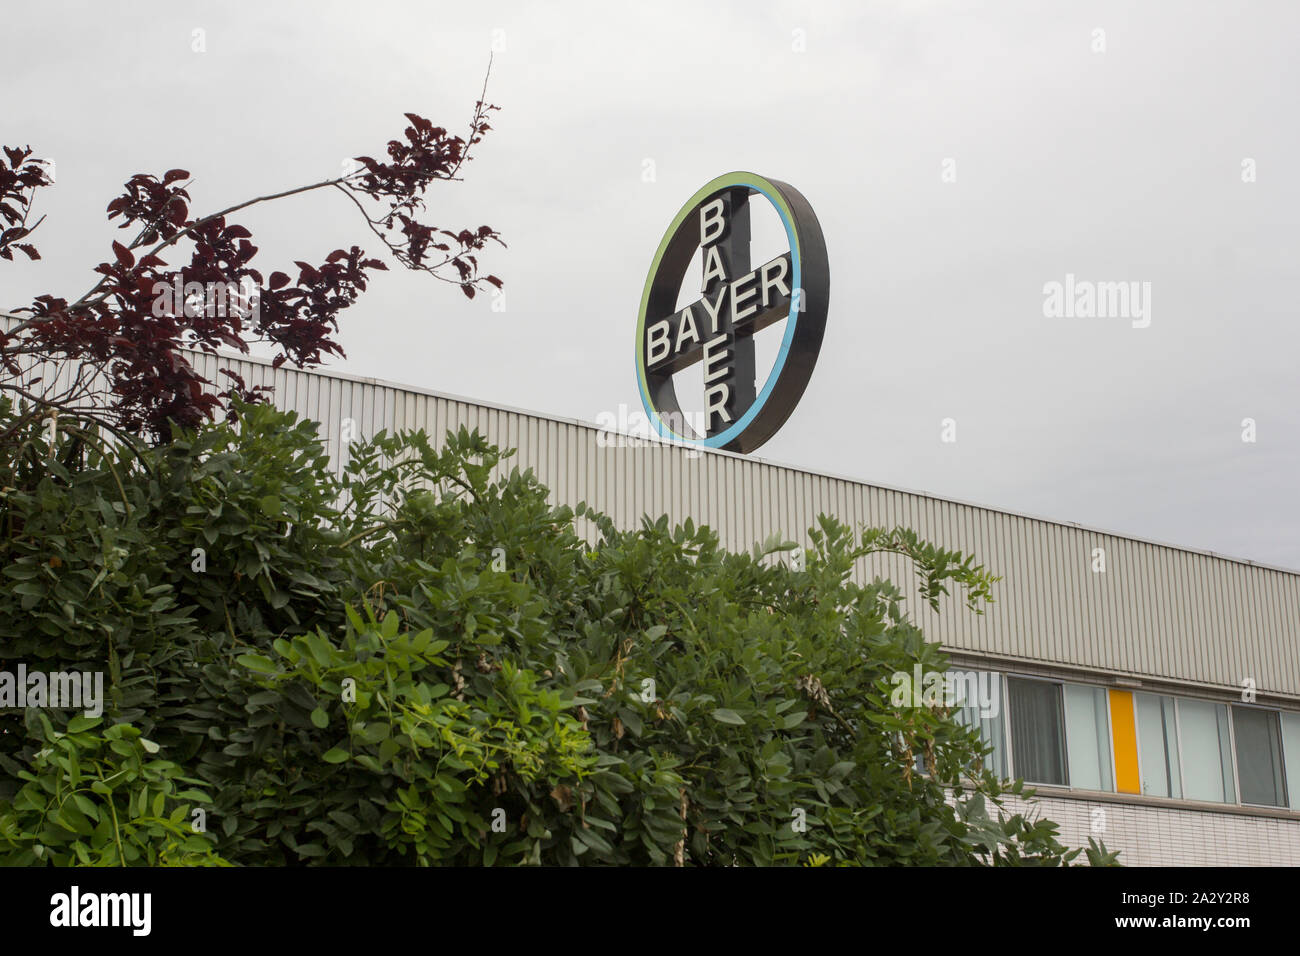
(424, 662)
(103, 799)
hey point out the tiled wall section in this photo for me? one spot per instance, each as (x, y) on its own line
(1163, 836)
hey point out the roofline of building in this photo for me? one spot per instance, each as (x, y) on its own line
(560, 419)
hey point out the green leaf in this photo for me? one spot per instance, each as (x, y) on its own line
(81, 722)
(257, 662)
(724, 715)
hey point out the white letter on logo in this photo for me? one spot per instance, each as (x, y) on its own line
(712, 267)
(688, 322)
(712, 359)
(711, 222)
(656, 342)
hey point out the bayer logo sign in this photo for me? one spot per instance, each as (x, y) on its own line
(713, 332)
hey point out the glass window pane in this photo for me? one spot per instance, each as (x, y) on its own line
(1157, 745)
(1207, 754)
(1291, 751)
(982, 708)
(1037, 731)
(1087, 736)
(1259, 756)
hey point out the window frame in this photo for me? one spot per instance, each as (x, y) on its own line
(1002, 718)
(1065, 728)
(1281, 752)
(1232, 748)
(1291, 801)
(1110, 746)
(1065, 741)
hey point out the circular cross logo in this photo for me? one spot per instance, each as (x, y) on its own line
(738, 299)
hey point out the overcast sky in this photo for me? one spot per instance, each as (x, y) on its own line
(1128, 163)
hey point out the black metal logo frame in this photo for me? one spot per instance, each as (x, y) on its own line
(738, 299)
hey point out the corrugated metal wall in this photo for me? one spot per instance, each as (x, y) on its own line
(1158, 613)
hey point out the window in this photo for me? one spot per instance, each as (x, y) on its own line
(1259, 756)
(1120, 741)
(1037, 731)
(1206, 751)
(1291, 750)
(1157, 738)
(982, 709)
(1087, 735)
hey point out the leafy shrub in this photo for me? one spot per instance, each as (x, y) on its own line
(423, 661)
(102, 799)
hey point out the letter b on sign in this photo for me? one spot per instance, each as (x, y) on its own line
(712, 224)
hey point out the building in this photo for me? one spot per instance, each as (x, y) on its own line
(1152, 693)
